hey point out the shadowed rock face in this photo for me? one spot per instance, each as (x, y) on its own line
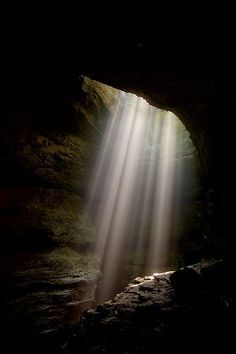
(46, 171)
(44, 292)
(48, 275)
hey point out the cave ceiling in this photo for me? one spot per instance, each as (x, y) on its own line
(46, 53)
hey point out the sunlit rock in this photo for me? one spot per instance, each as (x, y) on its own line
(153, 313)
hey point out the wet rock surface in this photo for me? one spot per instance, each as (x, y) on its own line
(150, 316)
(43, 293)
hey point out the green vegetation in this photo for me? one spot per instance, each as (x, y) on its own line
(86, 230)
(77, 231)
(66, 256)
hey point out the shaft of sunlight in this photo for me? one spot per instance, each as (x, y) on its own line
(132, 188)
(163, 199)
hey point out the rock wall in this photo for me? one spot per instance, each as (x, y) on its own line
(46, 171)
(48, 275)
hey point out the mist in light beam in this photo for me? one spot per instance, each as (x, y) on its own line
(133, 188)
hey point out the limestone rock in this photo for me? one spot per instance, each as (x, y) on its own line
(43, 292)
(142, 321)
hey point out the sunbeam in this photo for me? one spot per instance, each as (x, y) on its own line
(161, 211)
(132, 193)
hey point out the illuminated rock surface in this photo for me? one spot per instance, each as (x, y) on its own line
(188, 311)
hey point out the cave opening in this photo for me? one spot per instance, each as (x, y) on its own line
(86, 215)
(60, 224)
(144, 192)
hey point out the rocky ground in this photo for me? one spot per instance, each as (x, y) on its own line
(44, 293)
(187, 311)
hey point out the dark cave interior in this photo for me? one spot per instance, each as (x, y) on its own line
(50, 130)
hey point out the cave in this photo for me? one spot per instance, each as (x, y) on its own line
(61, 81)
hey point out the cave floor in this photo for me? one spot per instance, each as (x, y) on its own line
(187, 311)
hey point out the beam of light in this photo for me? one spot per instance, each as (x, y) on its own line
(148, 172)
(161, 219)
(132, 188)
